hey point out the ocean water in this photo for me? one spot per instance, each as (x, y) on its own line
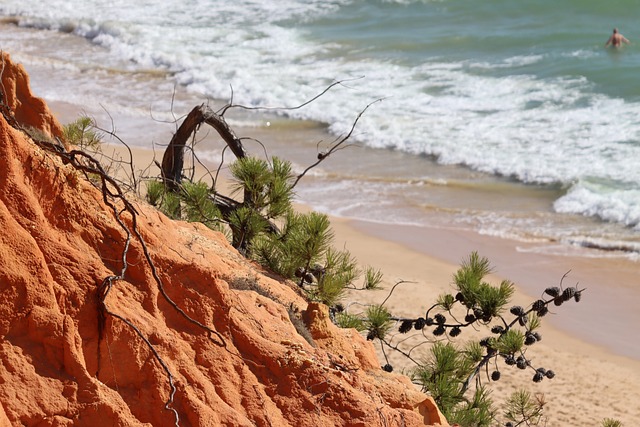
(506, 118)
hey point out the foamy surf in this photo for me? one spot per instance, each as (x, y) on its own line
(503, 94)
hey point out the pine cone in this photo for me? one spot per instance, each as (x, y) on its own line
(538, 305)
(516, 310)
(577, 296)
(529, 339)
(405, 326)
(440, 330)
(553, 291)
(568, 293)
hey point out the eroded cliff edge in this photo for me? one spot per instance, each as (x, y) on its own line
(60, 240)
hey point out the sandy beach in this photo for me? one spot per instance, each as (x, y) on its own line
(593, 380)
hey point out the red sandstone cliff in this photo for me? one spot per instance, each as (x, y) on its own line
(59, 240)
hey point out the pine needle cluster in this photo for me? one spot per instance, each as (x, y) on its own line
(521, 407)
(83, 134)
(192, 203)
(265, 227)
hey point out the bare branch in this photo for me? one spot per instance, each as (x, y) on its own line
(393, 289)
(173, 159)
(335, 146)
(327, 89)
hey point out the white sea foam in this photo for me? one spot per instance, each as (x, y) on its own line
(513, 62)
(493, 115)
(610, 202)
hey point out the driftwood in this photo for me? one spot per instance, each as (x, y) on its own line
(173, 158)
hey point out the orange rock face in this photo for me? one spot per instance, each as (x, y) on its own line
(59, 241)
(28, 110)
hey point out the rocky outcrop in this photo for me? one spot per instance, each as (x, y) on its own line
(29, 111)
(60, 240)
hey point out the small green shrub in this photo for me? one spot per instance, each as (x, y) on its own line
(171, 205)
(83, 134)
(346, 320)
(155, 192)
(298, 247)
(198, 206)
(329, 290)
(522, 407)
(372, 278)
(378, 322)
(246, 224)
(302, 251)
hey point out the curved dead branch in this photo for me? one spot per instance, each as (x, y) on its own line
(173, 159)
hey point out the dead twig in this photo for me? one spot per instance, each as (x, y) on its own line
(335, 146)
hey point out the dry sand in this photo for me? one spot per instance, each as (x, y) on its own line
(591, 382)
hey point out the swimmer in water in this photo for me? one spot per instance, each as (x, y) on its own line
(616, 39)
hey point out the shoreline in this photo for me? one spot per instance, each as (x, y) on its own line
(592, 320)
(531, 272)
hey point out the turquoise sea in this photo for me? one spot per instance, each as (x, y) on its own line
(506, 118)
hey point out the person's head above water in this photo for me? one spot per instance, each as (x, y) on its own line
(616, 39)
